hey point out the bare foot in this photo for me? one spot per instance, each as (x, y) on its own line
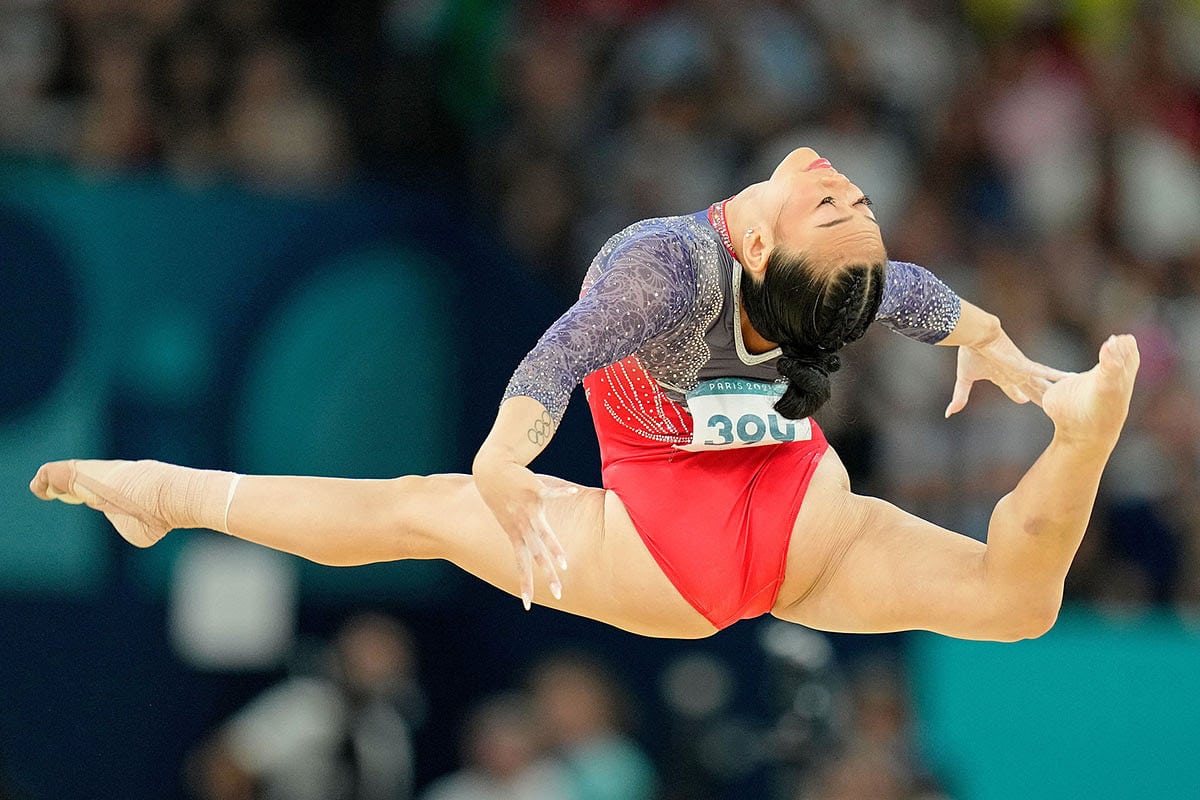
(1091, 406)
(125, 491)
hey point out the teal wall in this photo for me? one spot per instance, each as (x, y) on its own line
(215, 326)
(1099, 708)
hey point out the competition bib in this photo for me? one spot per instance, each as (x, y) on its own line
(738, 412)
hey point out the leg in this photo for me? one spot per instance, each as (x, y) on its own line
(612, 577)
(880, 569)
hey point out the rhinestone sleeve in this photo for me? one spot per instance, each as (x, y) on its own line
(643, 288)
(917, 304)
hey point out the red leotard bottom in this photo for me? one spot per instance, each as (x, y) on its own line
(717, 522)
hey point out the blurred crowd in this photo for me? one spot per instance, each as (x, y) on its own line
(347, 725)
(1043, 158)
(290, 96)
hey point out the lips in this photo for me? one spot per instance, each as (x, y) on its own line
(820, 163)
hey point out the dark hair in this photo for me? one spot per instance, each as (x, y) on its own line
(811, 312)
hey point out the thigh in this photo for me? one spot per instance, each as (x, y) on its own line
(611, 576)
(862, 565)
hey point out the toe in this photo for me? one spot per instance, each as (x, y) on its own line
(40, 483)
(53, 482)
(1129, 350)
(1119, 357)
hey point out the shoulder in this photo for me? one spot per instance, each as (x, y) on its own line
(677, 237)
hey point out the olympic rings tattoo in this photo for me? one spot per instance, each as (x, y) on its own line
(542, 429)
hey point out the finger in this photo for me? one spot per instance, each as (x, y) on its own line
(1049, 373)
(1015, 394)
(541, 557)
(549, 538)
(546, 541)
(525, 572)
(1035, 390)
(962, 393)
(568, 490)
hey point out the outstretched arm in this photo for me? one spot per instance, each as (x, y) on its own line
(648, 286)
(920, 306)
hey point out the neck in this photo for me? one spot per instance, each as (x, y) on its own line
(736, 216)
(755, 342)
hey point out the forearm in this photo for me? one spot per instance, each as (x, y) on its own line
(975, 327)
(521, 432)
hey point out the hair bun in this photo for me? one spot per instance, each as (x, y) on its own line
(823, 359)
(807, 370)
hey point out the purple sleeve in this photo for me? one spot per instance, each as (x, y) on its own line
(917, 304)
(646, 287)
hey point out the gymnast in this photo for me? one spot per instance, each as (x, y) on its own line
(705, 343)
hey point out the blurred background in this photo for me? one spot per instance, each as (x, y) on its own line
(308, 237)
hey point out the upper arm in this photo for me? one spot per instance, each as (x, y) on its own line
(646, 287)
(917, 304)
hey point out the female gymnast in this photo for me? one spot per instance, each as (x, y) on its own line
(703, 355)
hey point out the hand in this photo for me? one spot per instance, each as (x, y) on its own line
(998, 360)
(517, 498)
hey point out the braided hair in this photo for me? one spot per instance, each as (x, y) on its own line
(812, 313)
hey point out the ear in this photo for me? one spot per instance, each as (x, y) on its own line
(756, 246)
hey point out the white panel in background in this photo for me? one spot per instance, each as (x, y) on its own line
(232, 604)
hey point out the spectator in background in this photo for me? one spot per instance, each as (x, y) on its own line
(860, 774)
(31, 120)
(583, 714)
(190, 71)
(116, 129)
(283, 133)
(344, 734)
(503, 758)
(877, 759)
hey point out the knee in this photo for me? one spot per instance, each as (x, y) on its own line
(392, 523)
(411, 515)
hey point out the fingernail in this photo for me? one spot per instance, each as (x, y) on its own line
(556, 590)
(947, 412)
(562, 562)
(526, 601)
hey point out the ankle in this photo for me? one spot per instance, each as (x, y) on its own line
(1084, 444)
(195, 498)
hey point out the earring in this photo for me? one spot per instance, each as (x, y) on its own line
(749, 231)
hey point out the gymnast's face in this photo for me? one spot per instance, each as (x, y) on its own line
(820, 212)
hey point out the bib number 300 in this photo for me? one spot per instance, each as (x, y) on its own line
(736, 412)
(750, 429)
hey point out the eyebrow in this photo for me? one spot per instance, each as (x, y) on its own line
(840, 221)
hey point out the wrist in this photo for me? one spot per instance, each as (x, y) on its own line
(492, 460)
(976, 328)
(987, 330)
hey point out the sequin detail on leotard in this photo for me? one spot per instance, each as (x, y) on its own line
(917, 304)
(652, 290)
(656, 288)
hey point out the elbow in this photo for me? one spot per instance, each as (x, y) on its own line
(1029, 618)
